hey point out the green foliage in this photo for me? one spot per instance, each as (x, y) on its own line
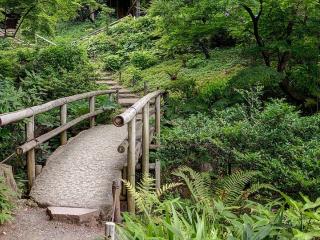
(112, 62)
(143, 59)
(275, 140)
(65, 57)
(205, 216)
(6, 204)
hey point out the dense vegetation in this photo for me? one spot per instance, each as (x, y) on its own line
(243, 79)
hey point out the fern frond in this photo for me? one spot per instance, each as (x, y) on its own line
(165, 188)
(198, 184)
(139, 199)
(230, 188)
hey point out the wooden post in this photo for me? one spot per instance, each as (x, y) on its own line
(145, 140)
(31, 156)
(117, 96)
(157, 123)
(92, 101)
(110, 231)
(131, 162)
(116, 191)
(124, 177)
(63, 120)
(158, 174)
(138, 8)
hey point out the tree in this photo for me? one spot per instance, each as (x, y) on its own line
(187, 24)
(40, 15)
(286, 34)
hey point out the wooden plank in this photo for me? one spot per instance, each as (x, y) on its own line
(45, 137)
(7, 118)
(92, 106)
(158, 120)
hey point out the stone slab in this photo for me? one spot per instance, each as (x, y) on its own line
(73, 215)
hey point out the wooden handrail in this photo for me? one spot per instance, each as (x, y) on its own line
(7, 118)
(30, 113)
(130, 117)
(131, 112)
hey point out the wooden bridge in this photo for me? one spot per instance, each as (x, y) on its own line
(80, 173)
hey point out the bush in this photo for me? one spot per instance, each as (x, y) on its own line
(276, 140)
(102, 44)
(112, 62)
(68, 57)
(143, 59)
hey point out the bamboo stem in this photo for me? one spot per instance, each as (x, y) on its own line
(110, 231)
(92, 103)
(158, 174)
(63, 120)
(131, 162)
(145, 140)
(31, 156)
(116, 191)
(158, 116)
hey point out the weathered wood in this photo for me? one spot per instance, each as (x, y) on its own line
(7, 118)
(131, 112)
(145, 140)
(110, 232)
(31, 156)
(124, 145)
(92, 106)
(45, 137)
(132, 161)
(157, 120)
(116, 191)
(63, 121)
(158, 174)
(124, 177)
(152, 166)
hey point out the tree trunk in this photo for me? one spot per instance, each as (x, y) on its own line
(204, 49)
(22, 19)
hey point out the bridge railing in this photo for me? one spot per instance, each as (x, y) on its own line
(130, 117)
(29, 113)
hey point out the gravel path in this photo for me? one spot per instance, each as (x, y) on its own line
(80, 174)
(33, 224)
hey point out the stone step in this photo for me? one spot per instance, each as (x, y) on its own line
(115, 87)
(127, 95)
(127, 102)
(123, 90)
(73, 215)
(110, 82)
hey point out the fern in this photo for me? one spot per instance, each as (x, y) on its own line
(198, 183)
(146, 196)
(230, 189)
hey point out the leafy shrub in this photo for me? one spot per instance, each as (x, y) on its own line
(102, 44)
(143, 59)
(208, 215)
(67, 57)
(112, 62)
(275, 140)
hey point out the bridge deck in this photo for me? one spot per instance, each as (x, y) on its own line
(80, 174)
